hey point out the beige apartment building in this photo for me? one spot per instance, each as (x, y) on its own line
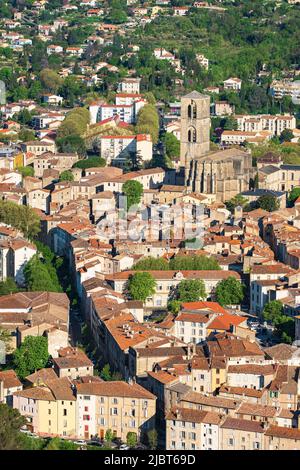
(167, 281)
(188, 429)
(72, 363)
(241, 434)
(118, 406)
(282, 178)
(37, 147)
(50, 410)
(282, 438)
(39, 199)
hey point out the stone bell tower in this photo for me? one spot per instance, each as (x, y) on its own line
(195, 128)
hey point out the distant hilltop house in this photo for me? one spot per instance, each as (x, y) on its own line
(53, 49)
(223, 108)
(180, 11)
(281, 88)
(163, 54)
(50, 99)
(232, 83)
(74, 51)
(202, 60)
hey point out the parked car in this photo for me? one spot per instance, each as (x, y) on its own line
(80, 442)
(95, 443)
(124, 447)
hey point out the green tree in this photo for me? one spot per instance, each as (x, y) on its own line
(141, 285)
(109, 435)
(286, 135)
(32, 355)
(191, 290)
(268, 203)
(230, 291)
(10, 424)
(23, 218)
(8, 286)
(5, 337)
(273, 311)
(148, 122)
(174, 306)
(41, 276)
(50, 80)
(236, 201)
(133, 190)
(194, 263)
(71, 144)
(149, 263)
(294, 194)
(131, 439)
(172, 145)
(53, 444)
(106, 373)
(26, 171)
(26, 135)
(152, 439)
(66, 175)
(91, 162)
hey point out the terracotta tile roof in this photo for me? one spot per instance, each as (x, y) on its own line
(193, 416)
(287, 413)
(71, 357)
(163, 377)
(242, 425)
(203, 305)
(285, 380)
(281, 351)
(193, 317)
(61, 389)
(257, 410)
(162, 352)
(283, 432)
(9, 379)
(115, 389)
(243, 391)
(212, 274)
(42, 376)
(224, 322)
(214, 401)
(277, 268)
(230, 346)
(36, 393)
(256, 369)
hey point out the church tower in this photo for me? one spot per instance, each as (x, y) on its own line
(195, 128)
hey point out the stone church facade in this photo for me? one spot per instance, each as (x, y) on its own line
(224, 173)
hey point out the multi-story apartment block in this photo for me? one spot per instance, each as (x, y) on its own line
(49, 410)
(117, 149)
(129, 85)
(167, 281)
(279, 89)
(188, 429)
(14, 255)
(259, 122)
(118, 406)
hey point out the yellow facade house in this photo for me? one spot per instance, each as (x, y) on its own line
(50, 410)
